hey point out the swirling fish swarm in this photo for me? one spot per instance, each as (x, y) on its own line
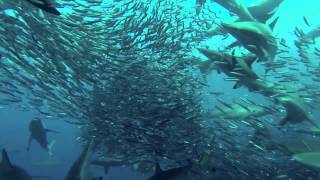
(118, 69)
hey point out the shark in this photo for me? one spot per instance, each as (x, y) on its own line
(311, 159)
(236, 7)
(107, 163)
(238, 111)
(38, 132)
(310, 131)
(256, 37)
(45, 5)
(8, 171)
(79, 169)
(301, 144)
(264, 9)
(170, 174)
(259, 11)
(237, 67)
(312, 35)
(296, 108)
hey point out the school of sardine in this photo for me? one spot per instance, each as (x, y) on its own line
(125, 73)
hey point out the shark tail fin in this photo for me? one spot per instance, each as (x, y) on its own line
(50, 147)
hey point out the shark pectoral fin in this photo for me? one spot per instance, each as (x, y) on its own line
(237, 85)
(50, 146)
(29, 142)
(5, 163)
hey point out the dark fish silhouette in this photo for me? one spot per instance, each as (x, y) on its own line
(106, 164)
(312, 35)
(45, 5)
(39, 133)
(237, 7)
(255, 37)
(170, 174)
(264, 9)
(9, 171)
(306, 21)
(79, 169)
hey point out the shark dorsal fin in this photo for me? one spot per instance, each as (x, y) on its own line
(274, 23)
(5, 161)
(158, 168)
